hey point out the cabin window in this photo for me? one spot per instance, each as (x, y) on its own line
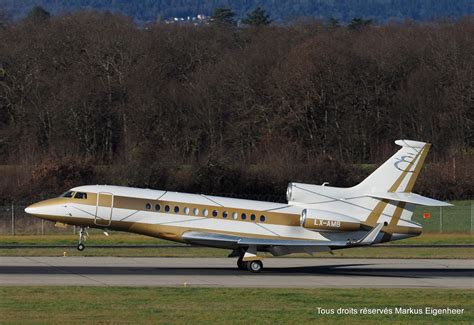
(252, 217)
(148, 206)
(67, 194)
(205, 212)
(167, 208)
(262, 218)
(176, 209)
(186, 210)
(196, 211)
(224, 214)
(157, 207)
(80, 195)
(215, 213)
(243, 216)
(235, 215)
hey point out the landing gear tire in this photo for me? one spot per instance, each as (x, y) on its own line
(255, 266)
(82, 238)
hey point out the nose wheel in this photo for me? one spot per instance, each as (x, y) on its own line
(83, 234)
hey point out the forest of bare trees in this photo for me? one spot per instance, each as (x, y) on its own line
(92, 98)
(143, 11)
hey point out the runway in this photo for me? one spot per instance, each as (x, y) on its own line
(222, 272)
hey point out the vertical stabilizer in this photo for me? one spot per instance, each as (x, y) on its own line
(399, 173)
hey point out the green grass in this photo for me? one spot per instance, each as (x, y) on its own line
(454, 219)
(114, 305)
(121, 238)
(97, 238)
(437, 238)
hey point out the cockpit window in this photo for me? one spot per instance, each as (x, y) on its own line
(67, 194)
(80, 195)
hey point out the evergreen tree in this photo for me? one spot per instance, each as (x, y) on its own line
(38, 15)
(3, 18)
(258, 17)
(223, 16)
(333, 23)
(359, 23)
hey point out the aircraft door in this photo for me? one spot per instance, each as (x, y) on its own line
(104, 208)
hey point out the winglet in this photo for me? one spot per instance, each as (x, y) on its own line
(370, 237)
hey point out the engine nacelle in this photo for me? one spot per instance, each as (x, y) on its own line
(321, 220)
(309, 193)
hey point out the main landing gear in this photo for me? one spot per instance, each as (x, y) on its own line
(82, 238)
(249, 261)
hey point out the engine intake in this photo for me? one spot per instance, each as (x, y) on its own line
(309, 193)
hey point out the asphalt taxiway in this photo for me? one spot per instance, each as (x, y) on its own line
(222, 272)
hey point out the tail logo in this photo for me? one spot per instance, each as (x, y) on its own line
(408, 159)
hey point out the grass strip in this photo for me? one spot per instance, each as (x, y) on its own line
(123, 305)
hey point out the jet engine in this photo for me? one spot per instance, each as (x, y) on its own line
(309, 193)
(321, 220)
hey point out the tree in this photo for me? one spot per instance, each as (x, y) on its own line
(333, 23)
(38, 15)
(359, 23)
(3, 17)
(258, 17)
(157, 105)
(223, 17)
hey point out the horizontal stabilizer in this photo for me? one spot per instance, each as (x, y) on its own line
(409, 198)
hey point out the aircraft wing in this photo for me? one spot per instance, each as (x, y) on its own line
(214, 239)
(233, 241)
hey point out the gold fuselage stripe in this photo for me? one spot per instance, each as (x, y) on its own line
(393, 222)
(413, 177)
(139, 204)
(376, 213)
(402, 176)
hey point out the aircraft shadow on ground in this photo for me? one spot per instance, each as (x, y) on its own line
(364, 270)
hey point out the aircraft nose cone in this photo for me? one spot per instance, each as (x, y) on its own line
(31, 209)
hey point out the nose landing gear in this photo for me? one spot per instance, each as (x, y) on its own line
(83, 234)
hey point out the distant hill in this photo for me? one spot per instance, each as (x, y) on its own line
(344, 10)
